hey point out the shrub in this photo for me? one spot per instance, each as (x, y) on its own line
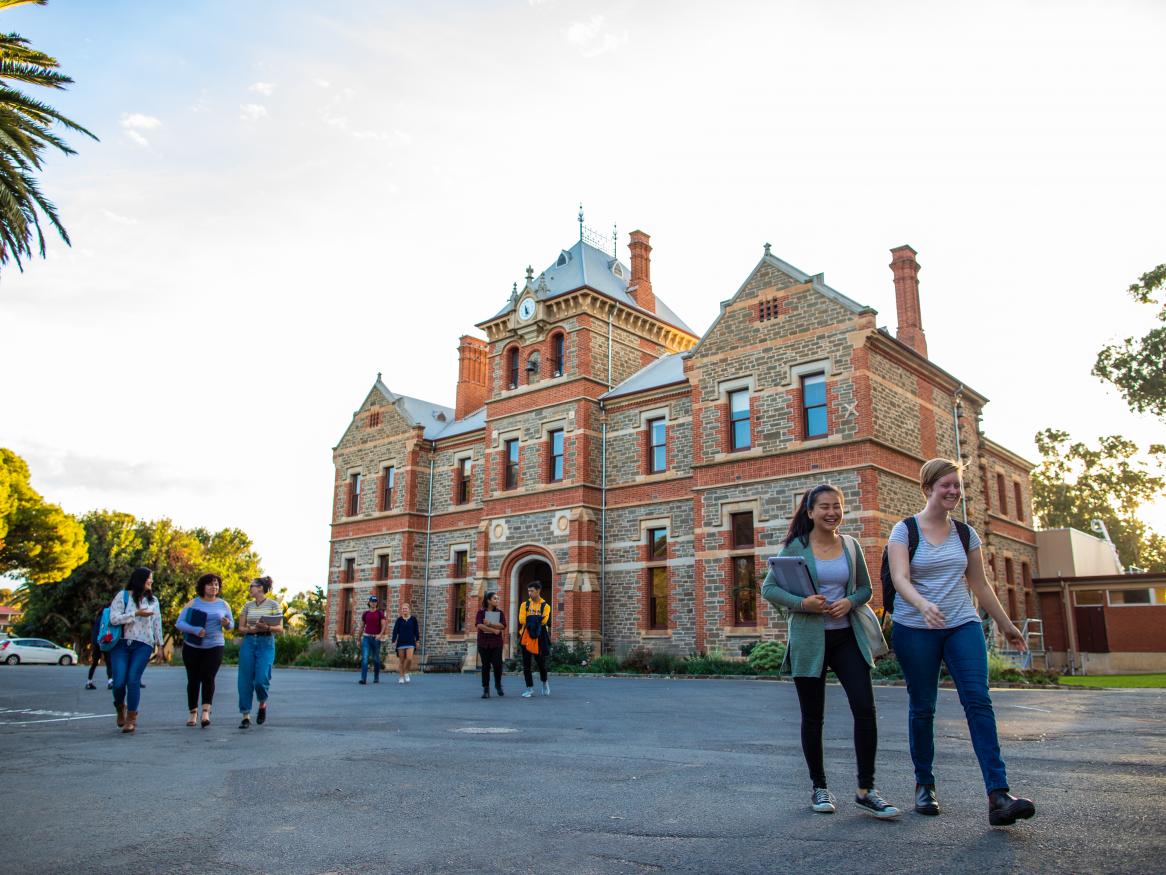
(577, 653)
(714, 663)
(766, 656)
(231, 651)
(604, 664)
(639, 658)
(665, 663)
(747, 648)
(288, 647)
(887, 667)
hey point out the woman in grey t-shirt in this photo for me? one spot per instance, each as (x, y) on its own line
(936, 621)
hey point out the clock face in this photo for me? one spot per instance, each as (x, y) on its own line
(526, 309)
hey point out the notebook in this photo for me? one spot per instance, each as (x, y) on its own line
(792, 575)
(494, 617)
(194, 617)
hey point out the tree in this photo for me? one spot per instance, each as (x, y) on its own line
(307, 612)
(1135, 365)
(25, 131)
(1076, 484)
(38, 541)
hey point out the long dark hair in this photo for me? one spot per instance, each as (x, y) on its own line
(801, 525)
(137, 584)
(486, 599)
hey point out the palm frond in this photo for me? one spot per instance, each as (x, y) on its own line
(33, 74)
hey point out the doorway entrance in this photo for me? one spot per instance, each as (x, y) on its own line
(526, 572)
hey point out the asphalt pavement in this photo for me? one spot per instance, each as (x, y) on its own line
(608, 775)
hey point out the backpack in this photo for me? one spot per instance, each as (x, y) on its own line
(962, 529)
(108, 634)
(534, 624)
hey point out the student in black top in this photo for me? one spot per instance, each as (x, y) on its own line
(490, 644)
(98, 656)
(405, 636)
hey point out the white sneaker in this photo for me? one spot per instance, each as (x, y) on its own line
(823, 801)
(400, 680)
(109, 684)
(529, 692)
(546, 688)
(408, 679)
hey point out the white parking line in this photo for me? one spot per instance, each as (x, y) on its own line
(50, 716)
(51, 720)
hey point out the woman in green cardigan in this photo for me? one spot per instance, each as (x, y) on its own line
(821, 636)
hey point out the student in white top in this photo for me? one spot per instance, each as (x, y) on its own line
(936, 621)
(139, 615)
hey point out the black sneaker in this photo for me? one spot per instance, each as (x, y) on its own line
(261, 715)
(822, 801)
(376, 680)
(245, 723)
(362, 681)
(925, 800)
(89, 685)
(876, 806)
(498, 690)
(1004, 809)
(485, 692)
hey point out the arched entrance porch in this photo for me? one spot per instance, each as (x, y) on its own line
(524, 565)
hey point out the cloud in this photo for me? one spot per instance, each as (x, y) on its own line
(265, 88)
(252, 111)
(57, 470)
(133, 123)
(323, 83)
(591, 39)
(117, 219)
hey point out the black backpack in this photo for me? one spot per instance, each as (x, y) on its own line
(912, 524)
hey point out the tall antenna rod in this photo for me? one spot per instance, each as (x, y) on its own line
(580, 221)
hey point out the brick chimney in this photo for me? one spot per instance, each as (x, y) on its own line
(905, 267)
(471, 376)
(640, 286)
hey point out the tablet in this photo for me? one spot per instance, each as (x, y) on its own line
(792, 574)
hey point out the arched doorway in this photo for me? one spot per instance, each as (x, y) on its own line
(532, 567)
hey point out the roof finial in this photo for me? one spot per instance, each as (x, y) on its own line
(614, 241)
(378, 376)
(529, 274)
(767, 252)
(580, 221)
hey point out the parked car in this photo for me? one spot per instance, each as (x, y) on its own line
(17, 650)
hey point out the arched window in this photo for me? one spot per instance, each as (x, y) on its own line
(512, 368)
(558, 354)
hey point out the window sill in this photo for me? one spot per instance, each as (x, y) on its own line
(742, 631)
(456, 636)
(735, 455)
(655, 633)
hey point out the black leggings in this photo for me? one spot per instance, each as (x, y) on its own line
(99, 656)
(202, 664)
(491, 658)
(842, 655)
(541, 659)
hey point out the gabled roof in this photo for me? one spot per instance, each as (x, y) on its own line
(431, 417)
(664, 371)
(585, 266)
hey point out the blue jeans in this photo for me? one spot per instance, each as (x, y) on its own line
(370, 649)
(256, 656)
(962, 649)
(128, 660)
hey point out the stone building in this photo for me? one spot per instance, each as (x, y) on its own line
(643, 472)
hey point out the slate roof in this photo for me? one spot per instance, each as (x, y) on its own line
(664, 371)
(584, 265)
(473, 422)
(433, 418)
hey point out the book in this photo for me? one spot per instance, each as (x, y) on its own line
(494, 617)
(792, 574)
(194, 617)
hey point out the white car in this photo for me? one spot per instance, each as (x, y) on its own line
(17, 650)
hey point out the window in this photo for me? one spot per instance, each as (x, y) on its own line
(1008, 571)
(1026, 575)
(382, 593)
(353, 494)
(458, 612)
(992, 565)
(374, 419)
(511, 457)
(742, 529)
(558, 354)
(744, 591)
(1002, 495)
(463, 480)
(512, 367)
(739, 432)
(461, 563)
(349, 573)
(556, 444)
(1012, 603)
(1019, 496)
(1089, 597)
(383, 567)
(1129, 597)
(814, 405)
(346, 611)
(388, 481)
(657, 578)
(768, 309)
(657, 446)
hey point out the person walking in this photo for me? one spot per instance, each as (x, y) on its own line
(405, 637)
(490, 642)
(534, 619)
(935, 621)
(140, 616)
(202, 623)
(375, 624)
(98, 656)
(260, 619)
(822, 636)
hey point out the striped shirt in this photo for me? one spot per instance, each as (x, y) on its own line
(939, 575)
(252, 612)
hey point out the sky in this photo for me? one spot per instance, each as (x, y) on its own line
(289, 197)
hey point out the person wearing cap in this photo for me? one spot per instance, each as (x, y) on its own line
(374, 624)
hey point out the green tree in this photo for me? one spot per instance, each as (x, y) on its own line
(26, 129)
(38, 541)
(1076, 484)
(1135, 366)
(307, 612)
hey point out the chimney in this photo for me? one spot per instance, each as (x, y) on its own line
(905, 267)
(640, 287)
(471, 376)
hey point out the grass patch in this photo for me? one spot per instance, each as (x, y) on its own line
(1128, 681)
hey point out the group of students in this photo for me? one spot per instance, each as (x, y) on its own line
(935, 565)
(404, 638)
(129, 633)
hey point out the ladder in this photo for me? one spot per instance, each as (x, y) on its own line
(1034, 635)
